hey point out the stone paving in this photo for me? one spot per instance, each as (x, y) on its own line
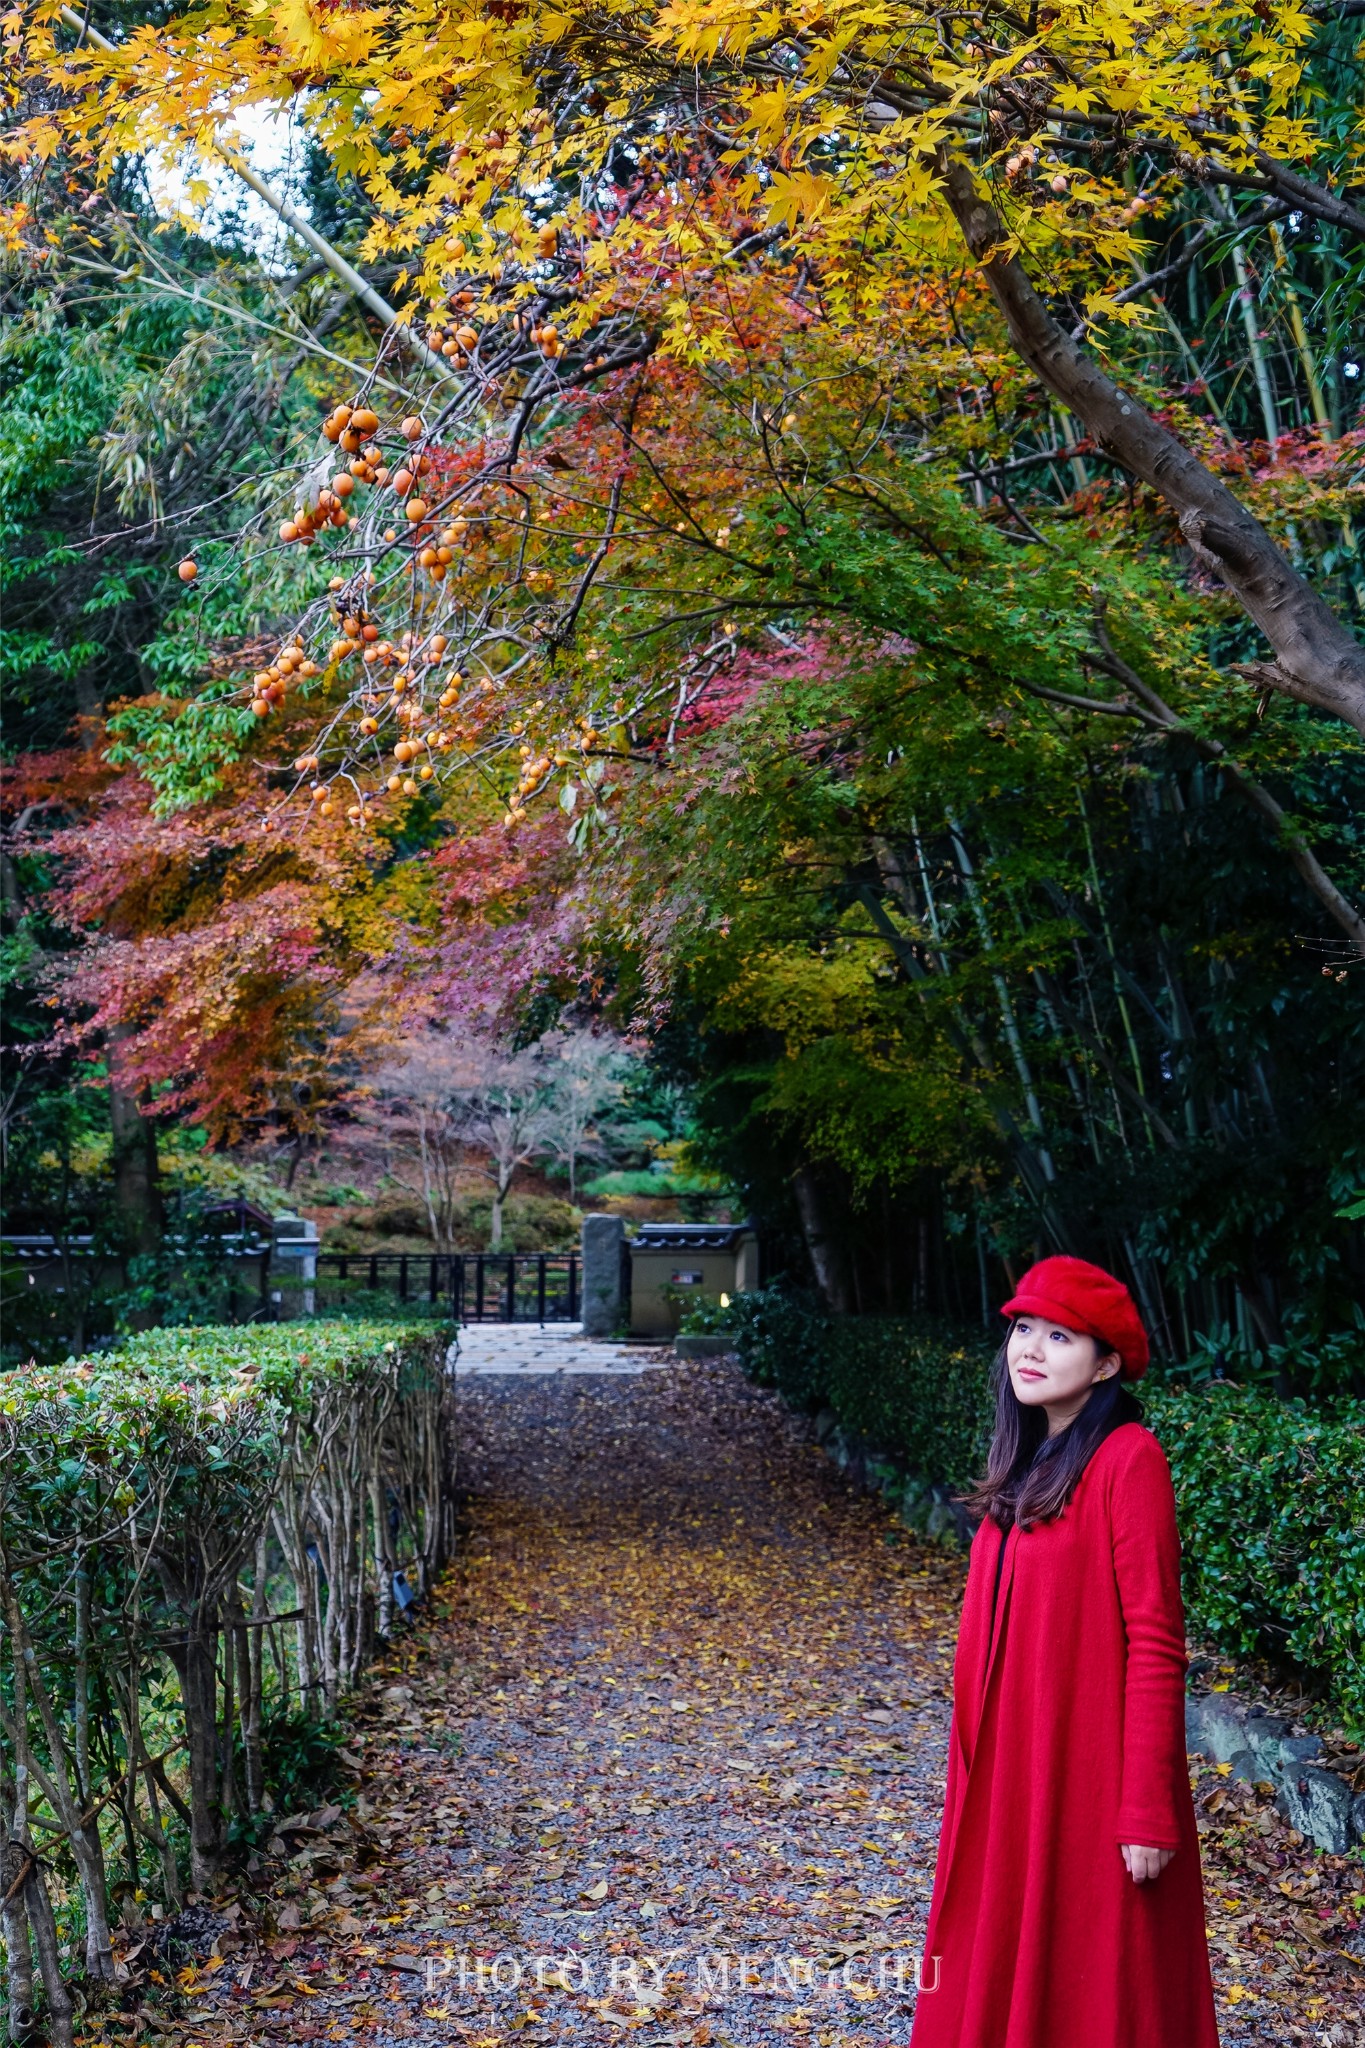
(524, 1348)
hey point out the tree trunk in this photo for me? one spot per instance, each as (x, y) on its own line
(195, 1662)
(14, 1859)
(59, 2008)
(824, 1253)
(500, 1187)
(83, 1836)
(1317, 660)
(136, 1183)
(153, 1829)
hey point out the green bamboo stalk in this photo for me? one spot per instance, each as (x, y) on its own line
(1130, 1036)
(1010, 1022)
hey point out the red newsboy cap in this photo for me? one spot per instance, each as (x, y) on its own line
(1086, 1298)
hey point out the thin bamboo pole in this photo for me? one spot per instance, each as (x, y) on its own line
(358, 286)
(1007, 1016)
(1129, 1035)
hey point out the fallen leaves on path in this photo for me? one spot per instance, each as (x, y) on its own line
(666, 1762)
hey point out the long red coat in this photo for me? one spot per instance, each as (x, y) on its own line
(1068, 1739)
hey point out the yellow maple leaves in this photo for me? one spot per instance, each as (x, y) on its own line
(315, 37)
(830, 121)
(790, 199)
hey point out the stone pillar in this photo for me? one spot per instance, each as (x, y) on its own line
(295, 1264)
(603, 1249)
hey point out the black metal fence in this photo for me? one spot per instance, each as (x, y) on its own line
(59, 1296)
(471, 1287)
(59, 1293)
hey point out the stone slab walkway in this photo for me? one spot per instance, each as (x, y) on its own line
(526, 1348)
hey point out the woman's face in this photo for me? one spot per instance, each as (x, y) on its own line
(1054, 1368)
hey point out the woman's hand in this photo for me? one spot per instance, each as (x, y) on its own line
(1143, 1864)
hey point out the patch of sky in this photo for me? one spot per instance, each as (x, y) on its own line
(196, 187)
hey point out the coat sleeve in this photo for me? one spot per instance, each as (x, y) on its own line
(1155, 1785)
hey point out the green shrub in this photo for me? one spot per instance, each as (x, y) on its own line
(201, 1536)
(915, 1389)
(782, 1336)
(1270, 1494)
(398, 1222)
(661, 1186)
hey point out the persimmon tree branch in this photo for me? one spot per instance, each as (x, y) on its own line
(1148, 707)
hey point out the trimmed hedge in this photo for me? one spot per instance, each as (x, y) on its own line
(200, 1535)
(1272, 1519)
(918, 1391)
(1270, 1493)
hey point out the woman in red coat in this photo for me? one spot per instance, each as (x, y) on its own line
(1068, 1908)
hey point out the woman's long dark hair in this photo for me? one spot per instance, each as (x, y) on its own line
(1029, 1475)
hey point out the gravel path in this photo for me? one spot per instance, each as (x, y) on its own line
(702, 1697)
(668, 1762)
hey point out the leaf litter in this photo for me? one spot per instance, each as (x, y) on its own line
(684, 1699)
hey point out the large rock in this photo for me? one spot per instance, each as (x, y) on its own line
(1298, 1749)
(1265, 1735)
(1318, 1804)
(1259, 1747)
(1215, 1727)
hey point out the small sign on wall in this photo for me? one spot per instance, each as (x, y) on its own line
(672, 1264)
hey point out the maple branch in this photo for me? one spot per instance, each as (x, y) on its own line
(1153, 711)
(1263, 216)
(1317, 661)
(1037, 459)
(877, 94)
(1112, 707)
(1302, 194)
(891, 102)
